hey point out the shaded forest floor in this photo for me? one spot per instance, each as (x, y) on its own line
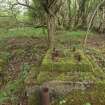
(97, 41)
(22, 56)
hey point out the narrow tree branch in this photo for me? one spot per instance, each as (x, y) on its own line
(22, 4)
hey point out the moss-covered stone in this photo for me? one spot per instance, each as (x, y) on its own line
(66, 63)
(45, 76)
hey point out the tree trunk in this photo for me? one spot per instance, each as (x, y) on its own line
(69, 7)
(51, 31)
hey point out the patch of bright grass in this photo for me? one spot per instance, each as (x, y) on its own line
(23, 32)
(77, 34)
(71, 36)
(41, 32)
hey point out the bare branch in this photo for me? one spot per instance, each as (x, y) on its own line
(22, 4)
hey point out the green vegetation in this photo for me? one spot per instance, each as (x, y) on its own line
(57, 68)
(66, 62)
(22, 32)
(39, 32)
(59, 44)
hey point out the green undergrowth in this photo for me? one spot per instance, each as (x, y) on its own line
(23, 32)
(40, 32)
(78, 34)
(13, 87)
(65, 67)
(9, 90)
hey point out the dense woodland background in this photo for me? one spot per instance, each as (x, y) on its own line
(55, 43)
(53, 15)
(68, 14)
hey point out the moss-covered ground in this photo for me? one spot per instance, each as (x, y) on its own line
(26, 62)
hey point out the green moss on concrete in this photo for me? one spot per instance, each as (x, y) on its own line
(45, 76)
(66, 63)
